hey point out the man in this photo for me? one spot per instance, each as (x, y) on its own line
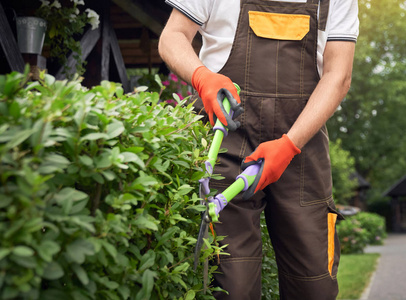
(293, 62)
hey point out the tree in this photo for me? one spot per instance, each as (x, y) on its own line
(342, 167)
(371, 120)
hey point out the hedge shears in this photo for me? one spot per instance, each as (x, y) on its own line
(215, 204)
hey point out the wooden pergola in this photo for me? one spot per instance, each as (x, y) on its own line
(127, 37)
(397, 193)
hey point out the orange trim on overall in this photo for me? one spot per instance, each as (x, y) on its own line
(331, 221)
(279, 26)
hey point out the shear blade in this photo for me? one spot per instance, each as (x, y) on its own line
(203, 233)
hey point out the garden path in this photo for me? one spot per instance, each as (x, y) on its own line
(389, 280)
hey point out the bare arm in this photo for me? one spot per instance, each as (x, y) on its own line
(175, 45)
(330, 91)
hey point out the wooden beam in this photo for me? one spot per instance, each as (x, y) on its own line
(105, 58)
(9, 44)
(137, 12)
(87, 44)
(121, 18)
(118, 59)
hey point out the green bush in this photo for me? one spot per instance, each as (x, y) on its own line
(360, 230)
(374, 225)
(353, 238)
(342, 167)
(270, 287)
(98, 195)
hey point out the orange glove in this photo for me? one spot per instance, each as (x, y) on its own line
(274, 156)
(208, 84)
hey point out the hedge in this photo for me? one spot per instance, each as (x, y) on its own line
(360, 230)
(98, 195)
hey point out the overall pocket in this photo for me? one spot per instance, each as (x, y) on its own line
(316, 180)
(279, 26)
(333, 251)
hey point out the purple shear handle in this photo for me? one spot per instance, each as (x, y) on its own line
(242, 183)
(204, 183)
(252, 170)
(221, 126)
(224, 130)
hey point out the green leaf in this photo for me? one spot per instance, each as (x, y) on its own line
(110, 249)
(147, 285)
(190, 295)
(52, 163)
(185, 189)
(86, 160)
(53, 271)
(158, 80)
(109, 175)
(48, 249)
(181, 268)
(103, 161)
(112, 285)
(5, 201)
(132, 157)
(147, 260)
(23, 251)
(167, 235)
(85, 222)
(144, 181)
(3, 128)
(78, 206)
(81, 274)
(78, 250)
(181, 163)
(143, 222)
(124, 292)
(204, 143)
(57, 159)
(177, 279)
(94, 136)
(67, 196)
(19, 138)
(14, 110)
(69, 193)
(49, 79)
(141, 89)
(3, 253)
(115, 129)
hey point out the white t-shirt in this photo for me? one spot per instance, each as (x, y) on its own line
(218, 22)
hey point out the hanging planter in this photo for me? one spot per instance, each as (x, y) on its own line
(31, 34)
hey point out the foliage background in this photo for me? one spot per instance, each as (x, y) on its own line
(98, 193)
(360, 230)
(370, 122)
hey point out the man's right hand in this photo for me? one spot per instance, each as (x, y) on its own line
(208, 84)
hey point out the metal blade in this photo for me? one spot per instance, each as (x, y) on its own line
(203, 233)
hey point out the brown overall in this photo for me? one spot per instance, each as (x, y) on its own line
(273, 59)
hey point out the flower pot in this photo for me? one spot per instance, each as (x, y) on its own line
(31, 34)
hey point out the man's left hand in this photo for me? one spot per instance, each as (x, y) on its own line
(275, 156)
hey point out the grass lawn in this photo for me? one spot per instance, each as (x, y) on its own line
(354, 274)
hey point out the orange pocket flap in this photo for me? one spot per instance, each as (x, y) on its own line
(279, 26)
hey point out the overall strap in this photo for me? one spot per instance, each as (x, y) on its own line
(323, 14)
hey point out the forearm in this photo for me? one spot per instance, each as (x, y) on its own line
(328, 94)
(180, 56)
(321, 106)
(175, 46)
